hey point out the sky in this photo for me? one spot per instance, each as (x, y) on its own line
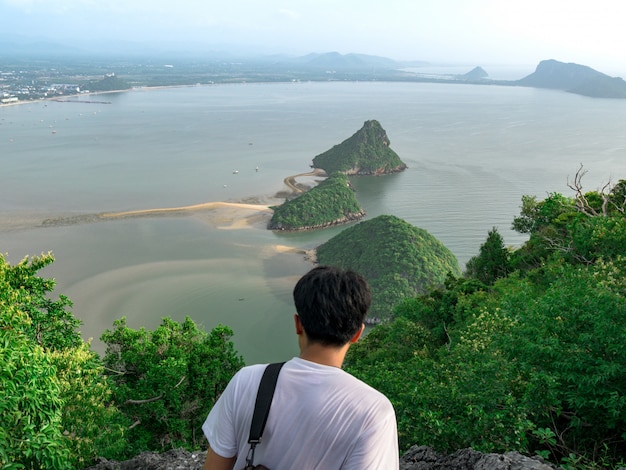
(473, 32)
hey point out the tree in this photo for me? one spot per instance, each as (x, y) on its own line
(51, 323)
(166, 381)
(492, 261)
(55, 402)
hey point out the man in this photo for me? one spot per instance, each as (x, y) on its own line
(321, 417)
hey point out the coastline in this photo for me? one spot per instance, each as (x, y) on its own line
(63, 98)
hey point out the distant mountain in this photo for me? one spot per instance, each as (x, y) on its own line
(367, 152)
(335, 60)
(574, 78)
(36, 48)
(602, 87)
(477, 73)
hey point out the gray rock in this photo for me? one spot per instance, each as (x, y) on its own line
(416, 458)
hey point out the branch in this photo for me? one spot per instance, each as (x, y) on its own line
(150, 400)
(115, 371)
(141, 402)
(581, 200)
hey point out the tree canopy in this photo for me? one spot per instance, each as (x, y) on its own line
(525, 352)
(62, 406)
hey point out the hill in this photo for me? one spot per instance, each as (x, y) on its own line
(477, 73)
(110, 82)
(574, 78)
(398, 260)
(331, 202)
(367, 152)
(335, 60)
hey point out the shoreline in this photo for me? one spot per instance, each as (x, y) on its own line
(64, 98)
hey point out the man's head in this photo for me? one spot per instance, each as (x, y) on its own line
(331, 304)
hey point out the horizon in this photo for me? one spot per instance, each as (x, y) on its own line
(449, 32)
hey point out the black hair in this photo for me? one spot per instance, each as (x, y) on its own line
(332, 304)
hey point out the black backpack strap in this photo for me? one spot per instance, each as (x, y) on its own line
(264, 401)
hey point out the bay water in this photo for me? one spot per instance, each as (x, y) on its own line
(472, 152)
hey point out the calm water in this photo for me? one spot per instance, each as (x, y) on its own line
(472, 152)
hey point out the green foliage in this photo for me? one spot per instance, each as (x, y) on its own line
(90, 424)
(331, 202)
(571, 342)
(51, 324)
(440, 308)
(108, 83)
(366, 152)
(30, 406)
(492, 261)
(54, 410)
(578, 230)
(396, 258)
(167, 380)
(534, 363)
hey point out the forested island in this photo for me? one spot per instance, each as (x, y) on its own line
(367, 152)
(398, 260)
(525, 351)
(333, 201)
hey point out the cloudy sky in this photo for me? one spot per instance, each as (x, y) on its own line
(443, 31)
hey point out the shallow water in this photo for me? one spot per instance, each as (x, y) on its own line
(472, 152)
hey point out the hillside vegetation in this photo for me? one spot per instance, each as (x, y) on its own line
(396, 258)
(367, 152)
(526, 351)
(329, 203)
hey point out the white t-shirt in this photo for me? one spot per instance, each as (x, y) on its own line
(321, 418)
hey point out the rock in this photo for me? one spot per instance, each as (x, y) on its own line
(416, 458)
(425, 458)
(174, 459)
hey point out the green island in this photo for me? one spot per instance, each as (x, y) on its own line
(333, 202)
(398, 260)
(367, 152)
(525, 351)
(329, 203)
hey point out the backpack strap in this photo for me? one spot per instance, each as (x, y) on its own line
(262, 405)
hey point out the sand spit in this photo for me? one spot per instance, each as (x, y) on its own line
(183, 209)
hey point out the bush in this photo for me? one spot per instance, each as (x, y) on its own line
(165, 381)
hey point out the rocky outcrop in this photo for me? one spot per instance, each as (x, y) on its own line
(351, 217)
(425, 458)
(416, 458)
(375, 172)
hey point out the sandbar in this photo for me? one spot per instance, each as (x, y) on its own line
(191, 208)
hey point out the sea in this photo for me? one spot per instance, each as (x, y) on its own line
(472, 152)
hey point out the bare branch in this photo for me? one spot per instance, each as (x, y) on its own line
(150, 400)
(180, 381)
(141, 402)
(581, 201)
